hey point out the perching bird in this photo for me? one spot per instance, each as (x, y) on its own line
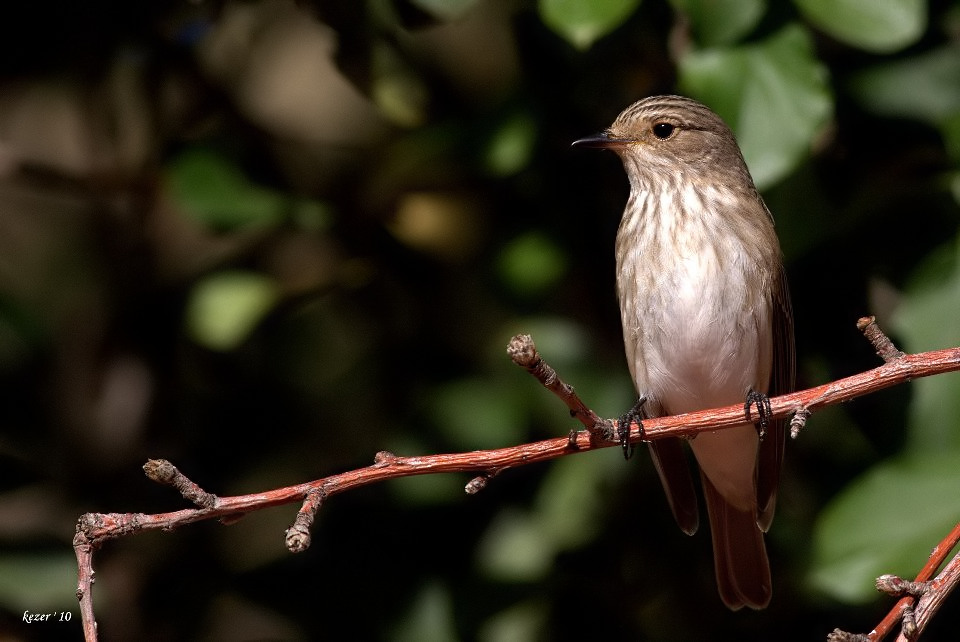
(706, 320)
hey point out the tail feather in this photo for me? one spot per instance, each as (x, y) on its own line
(672, 466)
(739, 554)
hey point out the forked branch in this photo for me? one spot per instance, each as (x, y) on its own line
(93, 529)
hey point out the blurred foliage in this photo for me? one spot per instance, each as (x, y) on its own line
(860, 536)
(218, 195)
(881, 27)
(582, 22)
(720, 22)
(267, 239)
(773, 93)
(225, 307)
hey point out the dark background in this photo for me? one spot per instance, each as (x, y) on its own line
(265, 240)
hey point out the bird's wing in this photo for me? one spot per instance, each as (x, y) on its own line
(674, 470)
(782, 381)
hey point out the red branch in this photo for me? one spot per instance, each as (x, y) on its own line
(93, 529)
(935, 592)
(914, 613)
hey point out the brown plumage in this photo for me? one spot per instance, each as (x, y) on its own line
(706, 320)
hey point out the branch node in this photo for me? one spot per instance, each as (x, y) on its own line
(897, 586)
(384, 458)
(298, 535)
(160, 471)
(480, 482)
(798, 421)
(476, 484)
(880, 341)
(96, 528)
(163, 472)
(523, 351)
(909, 626)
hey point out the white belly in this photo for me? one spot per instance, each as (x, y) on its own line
(701, 341)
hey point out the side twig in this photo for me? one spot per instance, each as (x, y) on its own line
(94, 529)
(911, 614)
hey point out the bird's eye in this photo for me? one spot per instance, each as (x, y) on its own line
(662, 130)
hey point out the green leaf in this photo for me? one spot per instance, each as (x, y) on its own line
(567, 512)
(885, 522)
(864, 531)
(720, 22)
(950, 129)
(399, 92)
(531, 263)
(427, 490)
(516, 547)
(430, 618)
(881, 26)
(478, 413)
(773, 94)
(217, 194)
(511, 146)
(583, 22)
(521, 621)
(928, 318)
(570, 501)
(224, 308)
(925, 86)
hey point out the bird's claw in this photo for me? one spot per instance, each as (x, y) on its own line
(762, 403)
(635, 414)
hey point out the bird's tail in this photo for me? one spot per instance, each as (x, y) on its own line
(739, 554)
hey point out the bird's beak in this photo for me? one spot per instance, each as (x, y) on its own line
(603, 140)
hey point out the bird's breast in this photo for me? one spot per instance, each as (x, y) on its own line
(692, 316)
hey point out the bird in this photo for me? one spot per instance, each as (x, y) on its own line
(707, 322)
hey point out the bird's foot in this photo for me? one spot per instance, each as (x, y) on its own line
(635, 414)
(762, 404)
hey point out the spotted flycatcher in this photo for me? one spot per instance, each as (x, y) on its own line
(706, 323)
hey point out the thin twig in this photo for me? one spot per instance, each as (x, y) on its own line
(93, 529)
(905, 604)
(932, 598)
(163, 472)
(523, 352)
(931, 593)
(298, 535)
(85, 579)
(880, 341)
